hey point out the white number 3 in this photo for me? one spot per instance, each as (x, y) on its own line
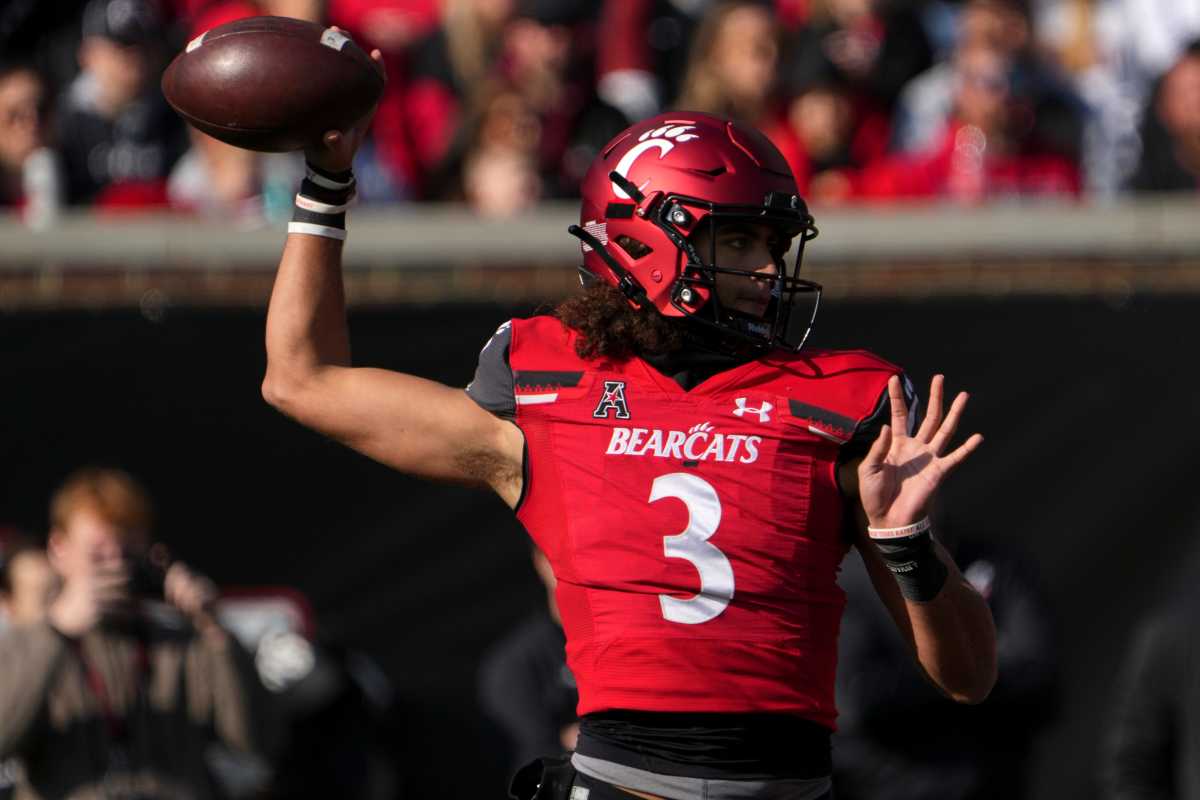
(716, 575)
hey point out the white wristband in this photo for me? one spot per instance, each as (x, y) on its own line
(920, 526)
(308, 204)
(317, 230)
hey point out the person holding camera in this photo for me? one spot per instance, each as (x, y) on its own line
(122, 689)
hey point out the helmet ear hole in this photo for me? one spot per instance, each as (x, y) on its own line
(633, 247)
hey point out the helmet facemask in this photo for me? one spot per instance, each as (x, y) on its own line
(790, 303)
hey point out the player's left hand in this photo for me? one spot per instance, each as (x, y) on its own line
(901, 473)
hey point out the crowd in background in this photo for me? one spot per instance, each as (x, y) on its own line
(503, 103)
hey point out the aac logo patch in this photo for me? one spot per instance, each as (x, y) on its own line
(613, 399)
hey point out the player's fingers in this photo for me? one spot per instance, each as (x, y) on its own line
(933, 417)
(879, 449)
(946, 431)
(899, 407)
(377, 58)
(953, 459)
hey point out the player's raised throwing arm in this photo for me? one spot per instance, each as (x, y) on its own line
(946, 622)
(409, 423)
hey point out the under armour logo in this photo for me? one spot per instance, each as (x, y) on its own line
(763, 411)
(612, 399)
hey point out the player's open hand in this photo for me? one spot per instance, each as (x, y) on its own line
(901, 473)
(335, 152)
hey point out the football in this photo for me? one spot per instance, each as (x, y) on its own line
(272, 83)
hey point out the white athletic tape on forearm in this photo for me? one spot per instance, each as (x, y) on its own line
(920, 526)
(317, 230)
(308, 204)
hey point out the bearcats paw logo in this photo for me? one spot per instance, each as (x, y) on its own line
(664, 139)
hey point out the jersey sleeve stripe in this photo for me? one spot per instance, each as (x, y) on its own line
(533, 379)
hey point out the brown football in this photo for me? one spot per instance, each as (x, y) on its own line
(271, 83)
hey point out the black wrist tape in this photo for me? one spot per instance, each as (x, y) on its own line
(914, 562)
(345, 176)
(316, 218)
(322, 194)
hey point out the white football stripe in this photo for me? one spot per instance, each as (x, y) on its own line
(536, 399)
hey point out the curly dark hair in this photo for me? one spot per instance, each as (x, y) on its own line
(609, 327)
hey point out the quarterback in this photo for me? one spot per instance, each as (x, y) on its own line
(694, 475)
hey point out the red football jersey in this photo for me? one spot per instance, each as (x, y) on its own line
(696, 535)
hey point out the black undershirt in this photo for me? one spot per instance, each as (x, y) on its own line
(713, 746)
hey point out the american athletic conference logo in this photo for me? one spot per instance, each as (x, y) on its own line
(664, 138)
(613, 399)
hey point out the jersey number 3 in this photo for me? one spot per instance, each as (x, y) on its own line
(716, 574)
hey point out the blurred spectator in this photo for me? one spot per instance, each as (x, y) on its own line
(45, 35)
(1170, 160)
(499, 170)
(30, 174)
(447, 66)
(216, 179)
(531, 131)
(1091, 43)
(390, 25)
(387, 167)
(644, 45)
(117, 136)
(1050, 111)
(987, 150)
(1157, 31)
(525, 685)
(27, 582)
(876, 45)
(119, 694)
(732, 64)
(826, 131)
(899, 739)
(1152, 749)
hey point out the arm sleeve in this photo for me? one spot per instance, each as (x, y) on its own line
(29, 659)
(867, 431)
(492, 387)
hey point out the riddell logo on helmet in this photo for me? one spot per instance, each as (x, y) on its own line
(698, 443)
(663, 138)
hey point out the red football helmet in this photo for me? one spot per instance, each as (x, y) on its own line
(663, 179)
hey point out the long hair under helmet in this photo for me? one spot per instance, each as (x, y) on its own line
(660, 181)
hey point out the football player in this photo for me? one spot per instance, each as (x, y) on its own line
(694, 477)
